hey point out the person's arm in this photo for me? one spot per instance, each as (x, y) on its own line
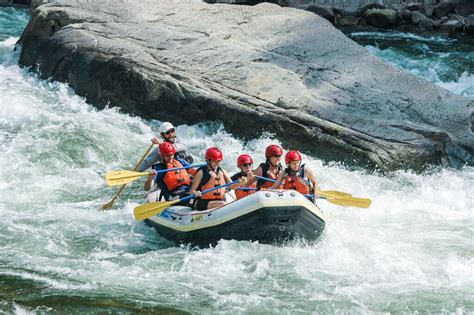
(184, 162)
(228, 180)
(191, 170)
(156, 141)
(249, 179)
(308, 173)
(150, 160)
(253, 179)
(149, 181)
(196, 181)
(278, 181)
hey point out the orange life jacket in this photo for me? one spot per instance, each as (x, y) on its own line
(239, 194)
(297, 182)
(261, 183)
(177, 178)
(211, 179)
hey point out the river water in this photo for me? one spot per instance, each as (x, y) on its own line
(411, 251)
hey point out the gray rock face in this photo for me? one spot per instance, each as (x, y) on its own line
(381, 18)
(260, 68)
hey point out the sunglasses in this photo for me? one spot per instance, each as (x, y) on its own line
(169, 132)
(246, 165)
(277, 156)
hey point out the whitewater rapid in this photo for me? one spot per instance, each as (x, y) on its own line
(447, 62)
(411, 251)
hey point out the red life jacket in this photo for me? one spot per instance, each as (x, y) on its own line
(239, 194)
(261, 183)
(177, 178)
(297, 182)
(211, 179)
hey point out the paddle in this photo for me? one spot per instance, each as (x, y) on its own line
(345, 200)
(150, 209)
(109, 204)
(336, 197)
(115, 178)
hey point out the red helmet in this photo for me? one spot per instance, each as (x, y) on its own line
(244, 159)
(291, 156)
(273, 150)
(214, 154)
(167, 148)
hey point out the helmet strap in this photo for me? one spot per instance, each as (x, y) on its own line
(270, 163)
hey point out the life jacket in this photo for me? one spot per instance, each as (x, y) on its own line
(261, 183)
(239, 194)
(174, 179)
(210, 180)
(297, 182)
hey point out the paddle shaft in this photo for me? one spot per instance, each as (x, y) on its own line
(109, 204)
(148, 210)
(265, 178)
(306, 195)
(139, 174)
(181, 168)
(209, 190)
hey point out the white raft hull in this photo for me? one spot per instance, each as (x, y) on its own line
(268, 216)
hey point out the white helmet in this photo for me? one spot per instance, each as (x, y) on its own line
(165, 127)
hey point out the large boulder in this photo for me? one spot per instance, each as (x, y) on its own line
(381, 18)
(261, 68)
(363, 10)
(443, 9)
(418, 18)
(322, 10)
(470, 24)
(427, 8)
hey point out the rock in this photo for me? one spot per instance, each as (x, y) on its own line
(427, 8)
(323, 11)
(363, 10)
(470, 24)
(418, 18)
(381, 18)
(232, 1)
(414, 6)
(405, 15)
(453, 25)
(437, 24)
(443, 9)
(255, 69)
(465, 7)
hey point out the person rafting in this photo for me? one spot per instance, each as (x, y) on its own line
(207, 177)
(297, 177)
(168, 134)
(244, 163)
(271, 168)
(173, 184)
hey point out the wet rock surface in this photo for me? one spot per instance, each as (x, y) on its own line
(260, 68)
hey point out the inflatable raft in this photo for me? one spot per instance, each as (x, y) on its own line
(269, 216)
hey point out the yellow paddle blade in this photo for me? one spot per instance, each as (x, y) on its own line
(150, 209)
(333, 194)
(350, 202)
(116, 178)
